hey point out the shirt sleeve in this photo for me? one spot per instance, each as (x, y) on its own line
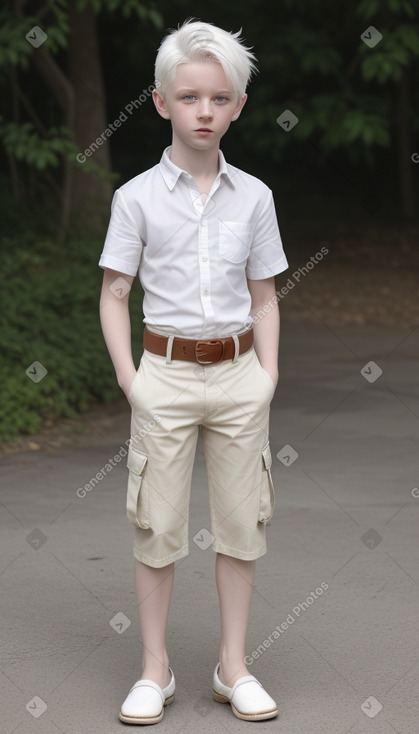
(266, 257)
(123, 245)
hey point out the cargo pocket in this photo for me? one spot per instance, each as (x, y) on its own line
(138, 501)
(267, 493)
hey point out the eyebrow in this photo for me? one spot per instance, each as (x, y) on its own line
(193, 89)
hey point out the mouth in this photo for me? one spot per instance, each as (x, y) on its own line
(203, 130)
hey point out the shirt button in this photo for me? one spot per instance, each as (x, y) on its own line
(204, 259)
(204, 223)
(205, 292)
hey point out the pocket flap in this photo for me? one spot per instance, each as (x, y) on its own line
(267, 492)
(235, 239)
(136, 460)
(137, 504)
(267, 457)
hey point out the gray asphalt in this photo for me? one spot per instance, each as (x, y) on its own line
(339, 583)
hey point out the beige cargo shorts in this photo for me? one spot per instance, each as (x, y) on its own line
(230, 400)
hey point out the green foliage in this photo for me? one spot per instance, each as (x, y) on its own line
(20, 139)
(127, 8)
(25, 144)
(391, 56)
(14, 48)
(367, 9)
(341, 90)
(50, 314)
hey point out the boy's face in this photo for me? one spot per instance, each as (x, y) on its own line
(199, 97)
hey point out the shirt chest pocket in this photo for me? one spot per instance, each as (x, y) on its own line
(235, 239)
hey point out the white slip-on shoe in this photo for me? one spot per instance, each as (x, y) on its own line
(146, 701)
(249, 700)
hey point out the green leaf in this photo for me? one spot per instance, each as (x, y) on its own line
(409, 37)
(325, 60)
(156, 18)
(367, 8)
(24, 143)
(353, 124)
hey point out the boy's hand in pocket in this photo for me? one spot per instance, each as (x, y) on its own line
(125, 381)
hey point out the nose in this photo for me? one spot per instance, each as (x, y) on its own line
(204, 110)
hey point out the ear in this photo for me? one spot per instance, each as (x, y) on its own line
(239, 107)
(160, 104)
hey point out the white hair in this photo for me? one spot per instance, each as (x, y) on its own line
(198, 41)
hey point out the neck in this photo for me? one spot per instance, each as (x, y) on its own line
(199, 163)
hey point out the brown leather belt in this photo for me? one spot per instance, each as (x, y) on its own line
(204, 351)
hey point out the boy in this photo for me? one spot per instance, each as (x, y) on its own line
(205, 239)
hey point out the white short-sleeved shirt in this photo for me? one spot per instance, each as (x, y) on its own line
(194, 257)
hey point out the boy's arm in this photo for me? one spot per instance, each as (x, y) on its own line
(116, 327)
(266, 326)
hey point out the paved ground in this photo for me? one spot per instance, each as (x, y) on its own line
(345, 524)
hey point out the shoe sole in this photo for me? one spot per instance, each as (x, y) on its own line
(146, 719)
(262, 715)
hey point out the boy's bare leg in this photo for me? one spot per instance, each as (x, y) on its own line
(154, 590)
(234, 580)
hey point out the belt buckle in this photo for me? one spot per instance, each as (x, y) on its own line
(201, 350)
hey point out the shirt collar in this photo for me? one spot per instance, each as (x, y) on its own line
(171, 172)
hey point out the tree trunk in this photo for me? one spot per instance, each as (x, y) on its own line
(14, 174)
(64, 93)
(90, 193)
(404, 146)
